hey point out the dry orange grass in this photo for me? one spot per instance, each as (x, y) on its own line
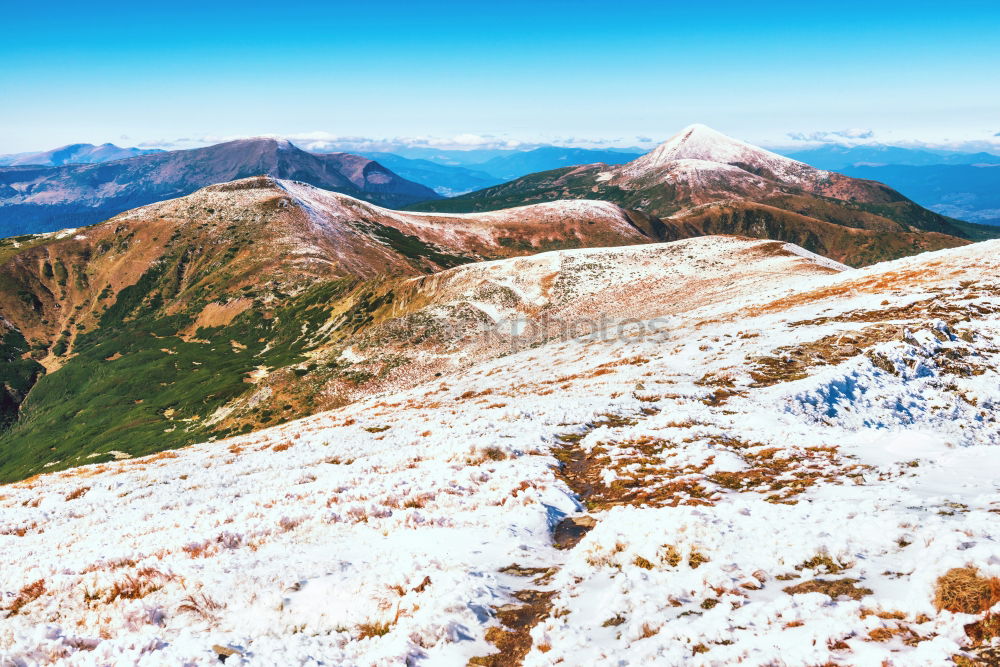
(20, 531)
(962, 591)
(158, 457)
(832, 587)
(73, 495)
(379, 629)
(113, 564)
(137, 586)
(27, 595)
(648, 630)
(197, 549)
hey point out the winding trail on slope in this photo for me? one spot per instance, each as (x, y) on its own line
(581, 471)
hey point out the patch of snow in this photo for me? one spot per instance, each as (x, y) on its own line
(376, 534)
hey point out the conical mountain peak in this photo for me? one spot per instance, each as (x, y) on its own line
(700, 142)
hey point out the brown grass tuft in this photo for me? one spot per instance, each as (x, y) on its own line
(822, 561)
(962, 591)
(199, 604)
(832, 587)
(27, 595)
(197, 549)
(137, 586)
(377, 629)
(643, 563)
(480, 456)
(648, 630)
(286, 523)
(73, 495)
(495, 454)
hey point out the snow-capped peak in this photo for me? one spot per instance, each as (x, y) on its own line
(700, 142)
(277, 142)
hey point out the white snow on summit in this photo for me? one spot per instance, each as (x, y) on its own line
(700, 142)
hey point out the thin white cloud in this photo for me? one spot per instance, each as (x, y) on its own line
(321, 141)
(833, 136)
(989, 144)
(327, 142)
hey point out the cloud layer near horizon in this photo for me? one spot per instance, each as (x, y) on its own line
(322, 141)
(832, 136)
(328, 141)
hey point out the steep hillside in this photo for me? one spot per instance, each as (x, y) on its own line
(437, 324)
(41, 199)
(200, 316)
(801, 472)
(699, 166)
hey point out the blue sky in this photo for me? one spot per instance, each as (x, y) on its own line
(183, 73)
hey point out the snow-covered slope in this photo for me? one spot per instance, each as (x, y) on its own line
(496, 233)
(450, 320)
(780, 476)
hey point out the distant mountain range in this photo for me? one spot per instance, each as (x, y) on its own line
(839, 158)
(474, 158)
(446, 180)
(40, 199)
(948, 182)
(965, 191)
(960, 185)
(702, 182)
(449, 178)
(517, 164)
(75, 154)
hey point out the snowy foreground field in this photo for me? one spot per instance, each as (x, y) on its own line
(801, 473)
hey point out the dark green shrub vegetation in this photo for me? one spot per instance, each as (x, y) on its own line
(123, 378)
(17, 375)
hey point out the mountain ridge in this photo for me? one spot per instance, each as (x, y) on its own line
(204, 291)
(674, 180)
(35, 199)
(75, 154)
(838, 157)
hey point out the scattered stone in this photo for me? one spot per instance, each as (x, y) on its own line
(225, 652)
(568, 532)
